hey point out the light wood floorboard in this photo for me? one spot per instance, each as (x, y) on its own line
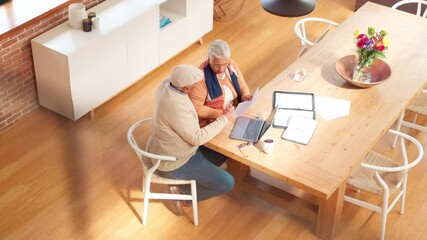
(80, 180)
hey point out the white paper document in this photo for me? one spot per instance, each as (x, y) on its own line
(283, 116)
(243, 107)
(330, 108)
(300, 129)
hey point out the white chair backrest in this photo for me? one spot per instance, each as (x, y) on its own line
(300, 29)
(143, 155)
(407, 165)
(420, 5)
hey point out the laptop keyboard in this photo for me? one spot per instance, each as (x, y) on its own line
(250, 131)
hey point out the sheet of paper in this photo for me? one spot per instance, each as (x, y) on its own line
(243, 107)
(331, 108)
(300, 129)
(295, 101)
(283, 116)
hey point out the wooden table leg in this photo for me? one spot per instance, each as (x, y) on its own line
(329, 215)
(239, 172)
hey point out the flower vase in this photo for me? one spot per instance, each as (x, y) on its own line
(362, 74)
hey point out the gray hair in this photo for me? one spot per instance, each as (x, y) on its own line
(219, 49)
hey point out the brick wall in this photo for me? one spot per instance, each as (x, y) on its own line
(18, 92)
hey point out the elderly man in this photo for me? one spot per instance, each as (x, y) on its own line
(176, 132)
(223, 84)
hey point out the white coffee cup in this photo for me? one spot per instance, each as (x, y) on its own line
(267, 145)
(95, 22)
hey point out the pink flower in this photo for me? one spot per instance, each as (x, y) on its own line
(379, 46)
(361, 40)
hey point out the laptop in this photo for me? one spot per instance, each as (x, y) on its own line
(251, 129)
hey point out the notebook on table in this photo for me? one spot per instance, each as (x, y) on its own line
(292, 104)
(251, 129)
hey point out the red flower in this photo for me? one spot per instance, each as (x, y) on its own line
(361, 40)
(379, 46)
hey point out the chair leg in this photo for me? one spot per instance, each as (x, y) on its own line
(403, 197)
(384, 212)
(146, 199)
(399, 125)
(194, 202)
(415, 118)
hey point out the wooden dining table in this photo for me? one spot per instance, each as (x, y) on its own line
(317, 172)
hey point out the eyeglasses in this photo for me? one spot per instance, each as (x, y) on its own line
(220, 65)
(219, 62)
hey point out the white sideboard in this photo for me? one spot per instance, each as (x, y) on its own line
(77, 71)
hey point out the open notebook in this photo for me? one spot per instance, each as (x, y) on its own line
(300, 129)
(292, 104)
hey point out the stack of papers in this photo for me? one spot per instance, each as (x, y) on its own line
(243, 107)
(332, 108)
(300, 129)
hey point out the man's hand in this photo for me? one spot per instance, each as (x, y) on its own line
(246, 98)
(229, 111)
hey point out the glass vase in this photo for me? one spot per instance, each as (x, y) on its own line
(362, 74)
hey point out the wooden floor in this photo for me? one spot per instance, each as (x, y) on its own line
(80, 180)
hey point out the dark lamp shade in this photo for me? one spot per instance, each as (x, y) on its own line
(288, 8)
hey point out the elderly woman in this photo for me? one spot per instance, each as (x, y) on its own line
(223, 84)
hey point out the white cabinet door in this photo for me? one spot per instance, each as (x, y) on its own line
(98, 72)
(142, 37)
(200, 17)
(173, 37)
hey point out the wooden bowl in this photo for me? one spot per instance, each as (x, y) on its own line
(380, 71)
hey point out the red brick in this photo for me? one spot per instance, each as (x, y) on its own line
(28, 76)
(27, 33)
(5, 116)
(11, 54)
(13, 118)
(10, 42)
(26, 46)
(14, 77)
(30, 80)
(4, 105)
(29, 108)
(20, 56)
(26, 88)
(13, 65)
(4, 52)
(54, 19)
(19, 44)
(6, 75)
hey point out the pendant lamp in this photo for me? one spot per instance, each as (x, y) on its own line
(288, 8)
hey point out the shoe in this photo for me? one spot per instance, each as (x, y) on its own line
(178, 204)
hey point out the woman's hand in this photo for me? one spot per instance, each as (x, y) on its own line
(246, 98)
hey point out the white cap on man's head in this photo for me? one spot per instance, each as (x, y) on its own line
(185, 75)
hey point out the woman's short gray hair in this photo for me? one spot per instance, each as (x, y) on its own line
(219, 49)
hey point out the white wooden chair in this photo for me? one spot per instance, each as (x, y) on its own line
(420, 4)
(417, 106)
(150, 174)
(381, 175)
(301, 31)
